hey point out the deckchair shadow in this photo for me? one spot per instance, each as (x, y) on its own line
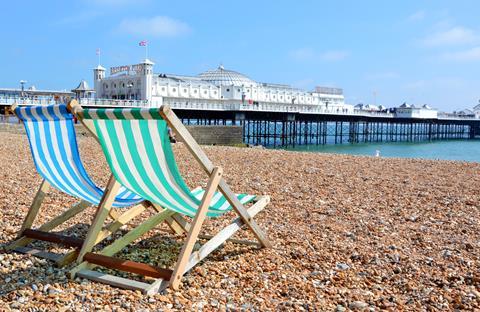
(137, 148)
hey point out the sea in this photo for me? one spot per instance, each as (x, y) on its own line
(460, 150)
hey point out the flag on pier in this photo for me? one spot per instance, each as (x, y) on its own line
(143, 43)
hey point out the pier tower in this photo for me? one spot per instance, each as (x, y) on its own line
(146, 79)
(98, 76)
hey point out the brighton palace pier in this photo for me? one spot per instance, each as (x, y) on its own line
(270, 114)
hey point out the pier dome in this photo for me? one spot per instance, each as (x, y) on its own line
(226, 77)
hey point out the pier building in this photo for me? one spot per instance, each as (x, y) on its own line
(215, 86)
(411, 111)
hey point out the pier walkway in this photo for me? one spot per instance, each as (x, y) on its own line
(290, 125)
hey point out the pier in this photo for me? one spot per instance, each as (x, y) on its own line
(291, 125)
(289, 129)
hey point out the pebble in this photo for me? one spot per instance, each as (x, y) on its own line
(342, 266)
(347, 232)
(357, 305)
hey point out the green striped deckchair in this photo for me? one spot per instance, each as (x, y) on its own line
(137, 148)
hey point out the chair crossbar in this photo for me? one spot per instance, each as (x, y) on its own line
(54, 238)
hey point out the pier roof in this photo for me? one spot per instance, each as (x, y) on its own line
(226, 77)
(82, 86)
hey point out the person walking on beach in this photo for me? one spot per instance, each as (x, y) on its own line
(171, 135)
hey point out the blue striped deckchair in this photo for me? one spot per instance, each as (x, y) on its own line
(137, 148)
(51, 134)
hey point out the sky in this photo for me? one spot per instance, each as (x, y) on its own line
(379, 52)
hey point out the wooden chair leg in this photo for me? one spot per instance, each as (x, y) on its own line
(50, 225)
(102, 213)
(113, 214)
(195, 228)
(242, 212)
(224, 235)
(35, 207)
(120, 221)
(67, 258)
(172, 222)
(174, 226)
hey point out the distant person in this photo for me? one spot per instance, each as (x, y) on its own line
(171, 135)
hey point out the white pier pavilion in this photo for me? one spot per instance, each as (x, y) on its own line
(218, 87)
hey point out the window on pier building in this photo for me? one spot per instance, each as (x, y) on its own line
(228, 90)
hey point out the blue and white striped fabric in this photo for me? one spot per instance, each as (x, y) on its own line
(54, 149)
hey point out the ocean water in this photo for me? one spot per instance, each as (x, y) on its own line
(462, 150)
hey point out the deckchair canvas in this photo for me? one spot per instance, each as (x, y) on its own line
(135, 143)
(53, 145)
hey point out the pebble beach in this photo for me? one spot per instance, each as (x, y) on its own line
(349, 233)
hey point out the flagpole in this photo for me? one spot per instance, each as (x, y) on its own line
(146, 51)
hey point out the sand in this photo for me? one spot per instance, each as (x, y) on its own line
(349, 232)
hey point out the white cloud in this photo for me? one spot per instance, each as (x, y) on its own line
(417, 16)
(334, 55)
(419, 84)
(158, 26)
(439, 82)
(303, 54)
(468, 55)
(78, 19)
(453, 36)
(382, 75)
(308, 54)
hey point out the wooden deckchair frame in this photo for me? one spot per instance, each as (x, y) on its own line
(26, 234)
(187, 258)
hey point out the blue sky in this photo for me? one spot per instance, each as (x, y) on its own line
(414, 51)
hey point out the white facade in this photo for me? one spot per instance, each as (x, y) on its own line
(137, 82)
(410, 111)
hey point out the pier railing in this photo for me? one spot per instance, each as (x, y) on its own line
(221, 105)
(26, 101)
(264, 107)
(447, 116)
(116, 103)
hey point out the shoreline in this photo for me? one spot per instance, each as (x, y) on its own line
(442, 150)
(348, 232)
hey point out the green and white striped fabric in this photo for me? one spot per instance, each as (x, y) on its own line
(137, 147)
